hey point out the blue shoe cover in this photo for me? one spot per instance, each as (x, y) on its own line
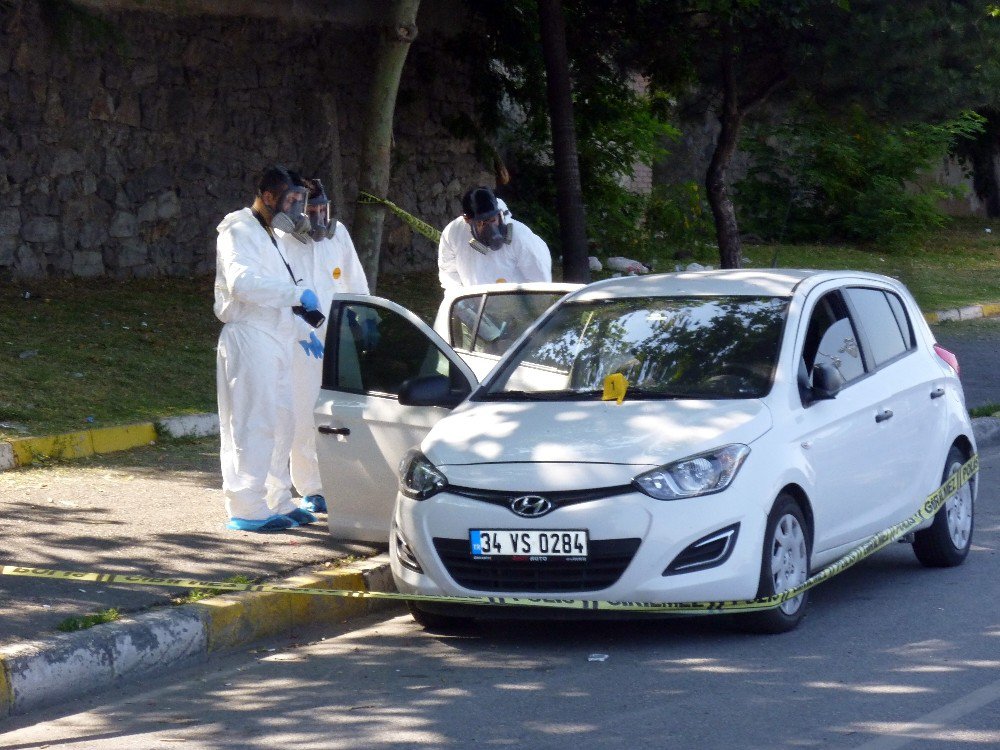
(301, 516)
(314, 503)
(272, 523)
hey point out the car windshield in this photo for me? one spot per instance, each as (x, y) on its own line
(664, 347)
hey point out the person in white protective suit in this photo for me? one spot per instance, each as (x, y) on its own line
(485, 246)
(257, 298)
(330, 265)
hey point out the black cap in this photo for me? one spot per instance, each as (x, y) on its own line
(277, 179)
(480, 203)
(274, 179)
(317, 194)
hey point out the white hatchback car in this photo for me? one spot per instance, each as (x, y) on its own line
(767, 421)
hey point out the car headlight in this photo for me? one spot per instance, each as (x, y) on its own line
(702, 474)
(418, 477)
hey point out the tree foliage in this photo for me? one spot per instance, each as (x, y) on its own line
(901, 63)
(847, 178)
(618, 125)
(902, 69)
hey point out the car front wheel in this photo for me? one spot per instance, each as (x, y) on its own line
(946, 542)
(435, 622)
(784, 565)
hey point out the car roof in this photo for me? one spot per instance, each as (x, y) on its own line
(507, 287)
(770, 282)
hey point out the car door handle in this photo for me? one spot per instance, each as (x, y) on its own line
(937, 393)
(328, 430)
(883, 416)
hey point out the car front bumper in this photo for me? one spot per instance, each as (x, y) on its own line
(661, 530)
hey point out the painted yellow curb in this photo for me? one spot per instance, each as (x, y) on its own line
(991, 311)
(236, 619)
(6, 690)
(83, 443)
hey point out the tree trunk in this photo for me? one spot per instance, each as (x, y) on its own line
(569, 193)
(982, 152)
(336, 190)
(730, 117)
(376, 145)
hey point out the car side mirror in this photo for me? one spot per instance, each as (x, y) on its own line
(826, 381)
(430, 390)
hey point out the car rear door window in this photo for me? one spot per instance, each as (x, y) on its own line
(490, 323)
(377, 351)
(884, 322)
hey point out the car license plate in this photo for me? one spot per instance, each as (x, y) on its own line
(531, 544)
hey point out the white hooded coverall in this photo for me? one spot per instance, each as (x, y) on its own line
(525, 259)
(254, 294)
(331, 266)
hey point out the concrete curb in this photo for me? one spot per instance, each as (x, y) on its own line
(24, 451)
(988, 310)
(43, 673)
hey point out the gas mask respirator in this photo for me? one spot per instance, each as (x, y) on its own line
(322, 219)
(488, 235)
(292, 219)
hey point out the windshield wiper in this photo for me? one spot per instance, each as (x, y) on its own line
(526, 395)
(582, 395)
(634, 392)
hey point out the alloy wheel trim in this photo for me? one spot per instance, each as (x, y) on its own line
(789, 556)
(958, 511)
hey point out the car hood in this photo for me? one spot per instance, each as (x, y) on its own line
(633, 433)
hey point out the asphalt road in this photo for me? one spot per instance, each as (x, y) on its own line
(976, 343)
(890, 655)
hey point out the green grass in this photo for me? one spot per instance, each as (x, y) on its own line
(195, 595)
(990, 410)
(71, 624)
(77, 354)
(954, 267)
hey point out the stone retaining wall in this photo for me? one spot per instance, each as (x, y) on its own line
(124, 142)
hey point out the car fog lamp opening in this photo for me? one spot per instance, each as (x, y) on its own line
(708, 552)
(404, 553)
(418, 477)
(701, 474)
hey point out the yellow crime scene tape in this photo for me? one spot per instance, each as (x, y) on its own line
(434, 235)
(928, 508)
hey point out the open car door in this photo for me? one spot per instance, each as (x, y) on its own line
(387, 379)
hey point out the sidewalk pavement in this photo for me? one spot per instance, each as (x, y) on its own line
(153, 511)
(157, 511)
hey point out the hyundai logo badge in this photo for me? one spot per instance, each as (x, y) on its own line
(530, 506)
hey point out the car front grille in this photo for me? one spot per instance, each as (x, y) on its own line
(605, 564)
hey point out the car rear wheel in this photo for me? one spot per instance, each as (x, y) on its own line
(946, 542)
(784, 565)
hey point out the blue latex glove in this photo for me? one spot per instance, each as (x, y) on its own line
(309, 300)
(315, 345)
